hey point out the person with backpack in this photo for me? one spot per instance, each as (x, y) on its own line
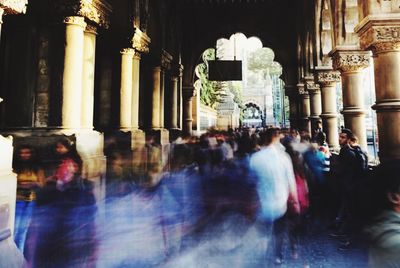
(361, 156)
(347, 174)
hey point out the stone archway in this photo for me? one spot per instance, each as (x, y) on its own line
(253, 115)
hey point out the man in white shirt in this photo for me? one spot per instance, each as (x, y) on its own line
(272, 170)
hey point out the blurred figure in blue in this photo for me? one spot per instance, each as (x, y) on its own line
(272, 169)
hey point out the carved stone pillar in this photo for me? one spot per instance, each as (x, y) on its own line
(135, 91)
(1, 19)
(188, 94)
(328, 79)
(89, 55)
(381, 33)
(305, 124)
(174, 102)
(72, 75)
(351, 63)
(166, 59)
(126, 89)
(315, 100)
(293, 95)
(140, 43)
(155, 98)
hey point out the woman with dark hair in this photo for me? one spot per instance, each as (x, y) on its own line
(30, 177)
(69, 166)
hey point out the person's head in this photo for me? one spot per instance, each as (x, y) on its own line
(345, 136)
(353, 140)
(270, 136)
(320, 138)
(319, 124)
(25, 153)
(389, 180)
(181, 156)
(63, 146)
(294, 133)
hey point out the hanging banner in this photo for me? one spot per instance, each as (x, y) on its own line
(225, 70)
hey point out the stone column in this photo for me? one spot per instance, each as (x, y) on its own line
(140, 44)
(135, 91)
(315, 101)
(162, 98)
(166, 59)
(72, 75)
(125, 121)
(155, 98)
(381, 33)
(351, 63)
(292, 93)
(187, 95)
(88, 69)
(1, 20)
(174, 102)
(327, 78)
(304, 109)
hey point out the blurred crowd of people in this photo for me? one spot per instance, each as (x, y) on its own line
(280, 178)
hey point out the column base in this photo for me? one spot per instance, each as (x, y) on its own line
(174, 134)
(8, 186)
(138, 138)
(160, 136)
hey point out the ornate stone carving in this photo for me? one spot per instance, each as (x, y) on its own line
(177, 69)
(97, 11)
(75, 20)
(13, 6)
(301, 89)
(327, 77)
(140, 41)
(91, 29)
(351, 61)
(380, 32)
(137, 55)
(381, 38)
(310, 85)
(166, 60)
(128, 50)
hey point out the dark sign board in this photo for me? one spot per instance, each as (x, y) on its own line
(224, 70)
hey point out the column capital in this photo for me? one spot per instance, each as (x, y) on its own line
(380, 32)
(127, 51)
(96, 11)
(13, 6)
(75, 20)
(310, 85)
(140, 41)
(166, 60)
(350, 59)
(92, 29)
(302, 90)
(177, 69)
(188, 92)
(325, 76)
